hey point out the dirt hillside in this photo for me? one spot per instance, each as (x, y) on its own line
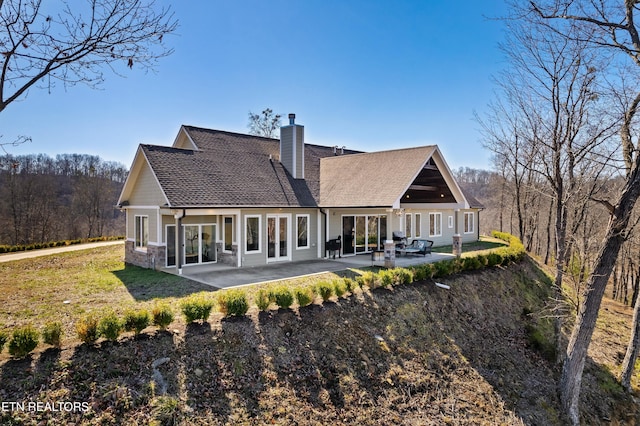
(418, 354)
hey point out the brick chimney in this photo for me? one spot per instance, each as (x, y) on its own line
(292, 148)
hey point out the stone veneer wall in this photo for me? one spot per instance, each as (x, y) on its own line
(145, 259)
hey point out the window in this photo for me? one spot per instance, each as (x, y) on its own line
(468, 223)
(435, 224)
(418, 225)
(303, 230)
(229, 236)
(142, 232)
(407, 223)
(171, 245)
(252, 237)
(450, 221)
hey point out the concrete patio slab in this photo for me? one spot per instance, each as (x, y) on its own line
(222, 276)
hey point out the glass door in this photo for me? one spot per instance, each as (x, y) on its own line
(361, 234)
(171, 245)
(191, 244)
(373, 238)
(348, 234)
(208, 243)
(278, 240)
(199, 244)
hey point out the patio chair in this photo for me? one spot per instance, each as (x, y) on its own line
(418, 246)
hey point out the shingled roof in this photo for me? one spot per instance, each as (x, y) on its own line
(232, 169)
(375, 179)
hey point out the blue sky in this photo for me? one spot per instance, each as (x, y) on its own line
(369, 75)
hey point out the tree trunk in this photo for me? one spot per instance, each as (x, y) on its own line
(548, 248)
(573, 365)
(632, 350)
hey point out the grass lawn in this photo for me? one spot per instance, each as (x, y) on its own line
(485, 243)
(66, 286)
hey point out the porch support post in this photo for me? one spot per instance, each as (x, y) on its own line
(389, 244)
(457, 239)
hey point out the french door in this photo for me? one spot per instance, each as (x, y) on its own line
(278, 237)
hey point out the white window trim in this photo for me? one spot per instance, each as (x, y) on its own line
(135, 236)
(473, 222)
(450, 222)
(440, 220)
(297, 233)
(417, 220)
(408, 221)
(289, 256)
(224, 231)
(246, 239)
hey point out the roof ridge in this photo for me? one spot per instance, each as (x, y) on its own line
(151, 145)
(389, 150)
(188, 126)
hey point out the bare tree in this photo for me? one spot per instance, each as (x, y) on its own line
(611, 28)
(74, 43)
(265, 124)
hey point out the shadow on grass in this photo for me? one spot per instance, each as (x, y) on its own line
(147, 284)
(475, 246)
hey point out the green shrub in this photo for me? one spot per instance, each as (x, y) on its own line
(349, 284)
(87, 328)
(493, 259)
(360, 281)
(402, 276)
(385, 278)
(3, 339)
(262, 299)
(472, 263)
(368, 279)
(109, 326)
(162, 315)
(304, 295)
(419, 273)
(196, 307)
(339, 288)
(52, 333)
(325, 290)
(233, 303)
(136, 321)
(23, 341)
(282, 296)
(443, 268)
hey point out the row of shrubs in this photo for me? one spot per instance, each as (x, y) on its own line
(234, 302)
(49, 244)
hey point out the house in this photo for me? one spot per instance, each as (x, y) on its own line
(222, 197)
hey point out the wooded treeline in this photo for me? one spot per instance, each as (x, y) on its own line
(533, 222)
(67, 197)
